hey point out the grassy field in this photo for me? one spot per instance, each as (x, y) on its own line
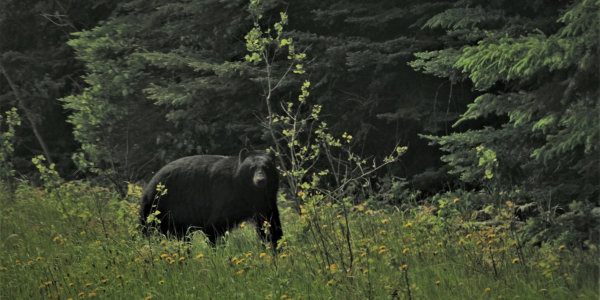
(79, 241)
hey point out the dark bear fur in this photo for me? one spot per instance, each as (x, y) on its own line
(214, 193)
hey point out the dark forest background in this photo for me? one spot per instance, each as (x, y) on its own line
(490, 97)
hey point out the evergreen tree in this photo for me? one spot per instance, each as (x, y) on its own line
(37, 67)
(359, 52)
(166, 79)
(540, 80)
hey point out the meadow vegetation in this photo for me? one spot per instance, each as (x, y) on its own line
(76, 241)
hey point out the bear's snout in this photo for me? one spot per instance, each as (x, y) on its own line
(259, 179)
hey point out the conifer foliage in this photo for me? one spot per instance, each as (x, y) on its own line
(165, 80)
(541, 80)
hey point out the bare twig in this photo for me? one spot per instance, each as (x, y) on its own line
(28, 114)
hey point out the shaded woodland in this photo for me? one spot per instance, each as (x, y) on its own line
(495, 100)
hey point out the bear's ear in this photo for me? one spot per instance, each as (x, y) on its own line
(270, 154)
(243, 154)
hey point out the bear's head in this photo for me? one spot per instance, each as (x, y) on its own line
(257, 169)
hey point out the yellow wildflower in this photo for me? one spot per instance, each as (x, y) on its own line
(385, 220)
(561, 247)
(405, 250)
(455, 200)
(200, 256)
(437, 282)
(161, 282)
(516, 260)
(330, 282)
(409, 224)
(262, 254)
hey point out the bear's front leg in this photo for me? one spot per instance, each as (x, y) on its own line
(268, 226)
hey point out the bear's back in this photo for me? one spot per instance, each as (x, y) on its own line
(195, 187)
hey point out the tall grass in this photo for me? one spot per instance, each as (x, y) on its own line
(79, 241)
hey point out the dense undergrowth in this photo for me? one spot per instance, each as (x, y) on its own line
(79, 241)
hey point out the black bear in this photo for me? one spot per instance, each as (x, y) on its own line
(214, 193)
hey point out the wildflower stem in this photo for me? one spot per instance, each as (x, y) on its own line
(348, 238)
(405, 271)
(493, 261)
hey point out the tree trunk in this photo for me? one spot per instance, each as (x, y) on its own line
(30, 119)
